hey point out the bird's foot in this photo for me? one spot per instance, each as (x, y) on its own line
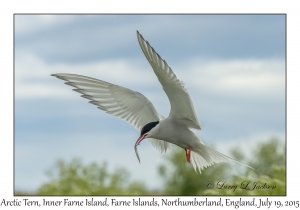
(188, 154)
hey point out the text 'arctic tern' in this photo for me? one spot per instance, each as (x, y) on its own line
(137, 110)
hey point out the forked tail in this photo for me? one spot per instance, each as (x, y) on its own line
(203, 156)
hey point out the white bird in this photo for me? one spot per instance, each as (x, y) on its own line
(137, 110)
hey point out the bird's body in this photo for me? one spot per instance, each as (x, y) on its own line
(181, 136)
(137, 110)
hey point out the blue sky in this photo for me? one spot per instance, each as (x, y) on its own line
(232, 65)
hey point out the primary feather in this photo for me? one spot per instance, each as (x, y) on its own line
(131, 106)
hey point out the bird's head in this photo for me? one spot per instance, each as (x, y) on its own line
(144, 133)
(146, 130)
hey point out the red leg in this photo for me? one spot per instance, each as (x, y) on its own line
(188, 154)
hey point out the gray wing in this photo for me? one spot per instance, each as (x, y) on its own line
(121, 102)
(182, 109)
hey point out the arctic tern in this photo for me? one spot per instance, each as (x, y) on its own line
(137, 110)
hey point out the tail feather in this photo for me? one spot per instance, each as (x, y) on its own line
(203, 156)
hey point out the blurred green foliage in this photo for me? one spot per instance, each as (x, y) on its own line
(267, 158)
(179, 178)
(269, 162)
(75, 178)
(252, 184)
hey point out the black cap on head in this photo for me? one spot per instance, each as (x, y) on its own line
(148, 127)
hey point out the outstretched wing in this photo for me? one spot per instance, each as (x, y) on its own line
(182, 109)
(121, 102)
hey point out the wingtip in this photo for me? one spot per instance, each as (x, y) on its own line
(138, 34)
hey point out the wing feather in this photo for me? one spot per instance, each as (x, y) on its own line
(203, 156)
(121, 102)
(182, 108)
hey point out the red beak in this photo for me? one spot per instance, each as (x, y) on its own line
(141, 138)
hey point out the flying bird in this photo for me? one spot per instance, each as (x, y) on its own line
(137, 110)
